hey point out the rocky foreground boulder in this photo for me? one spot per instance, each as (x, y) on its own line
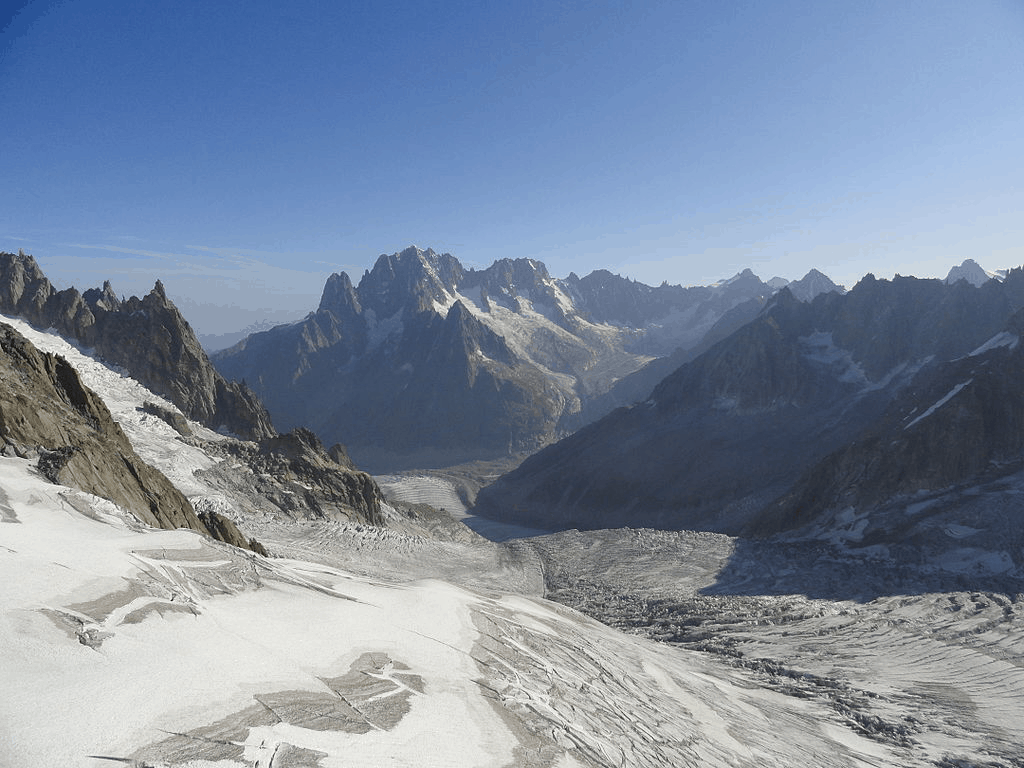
(148, 337)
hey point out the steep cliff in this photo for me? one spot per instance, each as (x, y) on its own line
(46, 411)
(148, 337)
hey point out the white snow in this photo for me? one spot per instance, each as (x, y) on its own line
(975, 560)
(153, 439)
(941, 402)
(194, 637)
(379, 331)
(849, 525)
(821, 348)
(1004, 339)
(956, 531)
(191, 636)
(591, 354)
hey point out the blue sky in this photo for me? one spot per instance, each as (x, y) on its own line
(242, 151)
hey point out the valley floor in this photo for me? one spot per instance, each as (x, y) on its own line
(938, 673)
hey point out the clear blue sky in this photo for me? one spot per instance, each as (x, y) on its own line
(242, 151)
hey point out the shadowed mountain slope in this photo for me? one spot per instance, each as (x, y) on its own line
(46, 412)
(734, 429)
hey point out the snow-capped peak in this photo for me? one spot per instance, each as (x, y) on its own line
(972, 272)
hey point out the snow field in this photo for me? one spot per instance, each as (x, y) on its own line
(114, 638)
(170, 649)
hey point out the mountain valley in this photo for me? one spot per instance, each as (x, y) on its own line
(800, 546)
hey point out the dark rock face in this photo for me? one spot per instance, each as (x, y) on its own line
(959, 421)
(427, 361)
(728, 433)
(811, 285)
(44, 403)
(223, 529)
(171, 417)
(148, 337)
(292, 474)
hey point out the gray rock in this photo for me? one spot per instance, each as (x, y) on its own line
(174, 419)
(148, 337)
(292, 475)
(44, 403)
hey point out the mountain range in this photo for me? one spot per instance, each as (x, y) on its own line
(147, 336)
(49, 413)
(895, 390)
(427, 363)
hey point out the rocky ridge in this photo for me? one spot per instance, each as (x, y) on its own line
(148, 337)
(958, 425)
(297, 477)
(48, 414)
(292, 477)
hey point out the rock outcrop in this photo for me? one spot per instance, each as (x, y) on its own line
(961, 421)
(148, 337)
(294, 477)
(45, 410)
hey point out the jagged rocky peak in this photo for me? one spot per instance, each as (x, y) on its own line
(511, 276)
(970, 271)
(104, 299)
(340, 296)
(148, 337)
(412, 280)
(759, 368)
(607, 297)
(26, 292)
(813, 284)
(475, 338)
(745, 277)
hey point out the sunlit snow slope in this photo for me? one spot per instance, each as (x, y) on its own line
(121, 644)
(167, 648)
